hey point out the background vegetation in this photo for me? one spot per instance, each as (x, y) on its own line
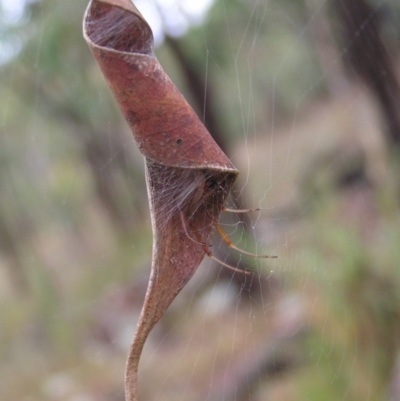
(310, 129)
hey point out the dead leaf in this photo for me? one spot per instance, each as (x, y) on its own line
(188, 176)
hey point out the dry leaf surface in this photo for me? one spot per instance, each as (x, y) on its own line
(188, 176)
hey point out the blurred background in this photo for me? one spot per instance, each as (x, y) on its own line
(304, 96)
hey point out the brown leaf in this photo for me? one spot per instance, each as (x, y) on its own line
(188, 176)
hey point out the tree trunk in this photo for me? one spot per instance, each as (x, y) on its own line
(368, 57)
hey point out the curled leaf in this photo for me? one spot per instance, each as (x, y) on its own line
(188, 176)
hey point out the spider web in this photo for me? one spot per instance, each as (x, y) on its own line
(320, 322)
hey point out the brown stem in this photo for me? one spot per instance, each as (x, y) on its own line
(145, 325)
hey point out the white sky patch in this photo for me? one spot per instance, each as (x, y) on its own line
(196, 10)
(13, 10)
(172, 16)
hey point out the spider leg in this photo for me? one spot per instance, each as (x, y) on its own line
(227, 209)
(206, 248)
(186, 231)
(228, 242)
(211, 256)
